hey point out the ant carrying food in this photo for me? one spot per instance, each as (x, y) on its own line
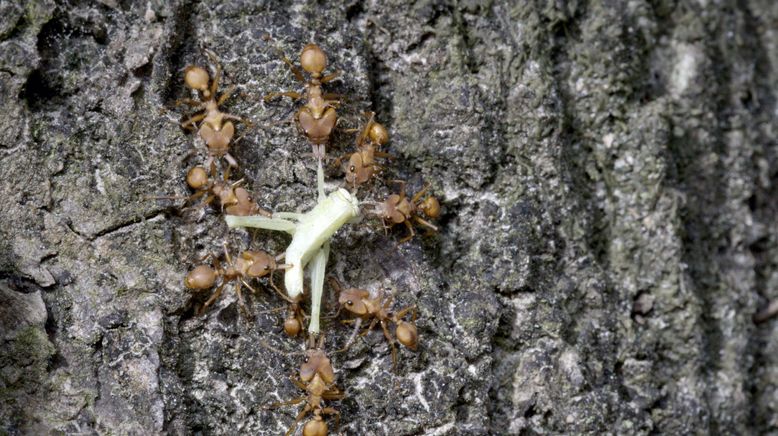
(378, 311)
(397, 209)
(249, 265)
(317, 117)
(216, 129)
(317, 378)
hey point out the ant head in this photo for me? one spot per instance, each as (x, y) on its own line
(315, 427)
(317, 362)
(202, 277)
(407, 334)
(197, 177)
(387, 209)
(313, 59)
(197, 78)
(378, 134)
(262, 263)
(431, 207)
(354, 169)
(352, 298)
(226, 195)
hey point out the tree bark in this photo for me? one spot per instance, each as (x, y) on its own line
(608, 172)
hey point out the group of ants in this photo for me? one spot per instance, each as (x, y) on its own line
(316, 119)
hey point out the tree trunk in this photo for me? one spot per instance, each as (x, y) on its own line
(608, 175)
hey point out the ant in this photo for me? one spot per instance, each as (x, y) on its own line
(234, 199)
(317, 117)
(361, 164)
(360, 303)
(397, 209)
(250, 264)
(214, 130)
(317, 379)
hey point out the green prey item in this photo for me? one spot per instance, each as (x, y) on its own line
(311, 234)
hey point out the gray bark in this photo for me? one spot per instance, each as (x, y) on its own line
(608, 175)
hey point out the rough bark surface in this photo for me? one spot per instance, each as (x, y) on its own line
(609, 176)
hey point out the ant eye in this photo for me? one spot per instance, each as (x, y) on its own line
(267, 267)
(352, 168)
(349, 303)
(306, 359)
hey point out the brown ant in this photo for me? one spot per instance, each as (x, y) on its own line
(397, 209)
(215, 129)
(234, 199)
(317, 117)
(249, 265)
(378, 310)
(317, 379)
(362, 165)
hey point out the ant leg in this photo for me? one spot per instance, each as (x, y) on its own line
(241, 303)
(297, 420)
(386, 228)
(410, 236)
(338, 161)
(353, 336)
(333, 98)
(330, 77)
(175, 197)
(247, 122)
(425, 223)
(203, 259)
(370, 327)
(208, 200)
(402, 186)
(291, 94)
(335, 284)
(225, 96)
(389, 338)
(189, 124)
(218, 74)
(297, 400)
(332, 411)
(245, 283)
(388, 302)
(226, 253)
(277, 309)
(231, 162)
(404, 311)
(213, 298)
(295, 71)
(419, 194)
(281, 294)
(190, 102)
(297, 383)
